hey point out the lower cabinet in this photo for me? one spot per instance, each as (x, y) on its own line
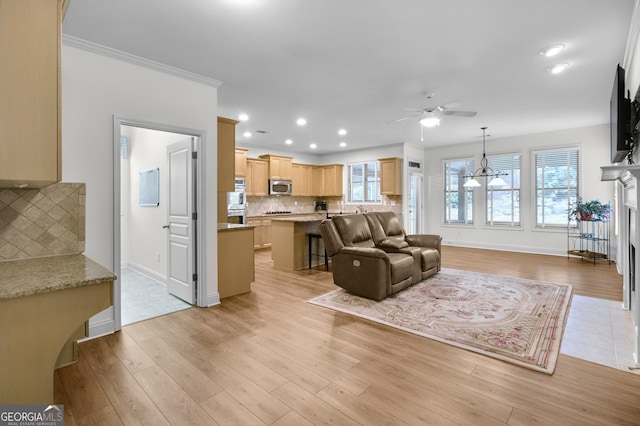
(261, 232)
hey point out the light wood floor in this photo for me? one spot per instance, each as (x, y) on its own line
(268, 357)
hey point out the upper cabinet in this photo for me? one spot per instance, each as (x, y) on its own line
(279, 167)
(331, 180)
(257, 177)
(390, 176)
(241, 162)
(30, 133)
(226, 154)
(301, 179)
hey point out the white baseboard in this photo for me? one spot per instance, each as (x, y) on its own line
(100, 329)
(161, 278)
(213, 299)
(504, 247)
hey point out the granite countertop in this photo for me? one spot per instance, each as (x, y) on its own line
(28, 277)
(298, 219)
(233, 227)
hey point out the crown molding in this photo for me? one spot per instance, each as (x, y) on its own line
(137, 60)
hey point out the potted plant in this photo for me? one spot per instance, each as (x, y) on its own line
(589, 210)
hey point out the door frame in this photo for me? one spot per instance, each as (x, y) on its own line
(200, 193)
(416, 171)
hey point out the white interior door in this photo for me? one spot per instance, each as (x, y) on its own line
(181, 281)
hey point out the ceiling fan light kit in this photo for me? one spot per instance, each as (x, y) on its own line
(430, 121)
(484, 171)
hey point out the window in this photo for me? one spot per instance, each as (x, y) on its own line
(503, 203)
(458, 201)
(556, 185)
(364, 182)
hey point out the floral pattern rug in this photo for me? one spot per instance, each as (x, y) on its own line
(512, 319)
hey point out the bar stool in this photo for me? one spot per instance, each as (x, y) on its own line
(312, 237)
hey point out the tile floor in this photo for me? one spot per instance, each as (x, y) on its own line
(143, 298)
(599, 331)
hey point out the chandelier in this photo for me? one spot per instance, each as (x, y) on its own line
(484, 171)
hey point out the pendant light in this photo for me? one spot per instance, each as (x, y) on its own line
(484, 171)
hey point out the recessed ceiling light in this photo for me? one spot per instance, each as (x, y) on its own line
(313, 146)
(243, 117)
(301, 122)
(558, 68)
(288, 141)
(247, 134)
(342, 132)
(343, 144)
(552, 50)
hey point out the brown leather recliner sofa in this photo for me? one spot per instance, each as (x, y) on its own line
(372, 256)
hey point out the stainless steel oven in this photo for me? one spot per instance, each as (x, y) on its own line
(237, 216)
(237, 200)
(237, 203)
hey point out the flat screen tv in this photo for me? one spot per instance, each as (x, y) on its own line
(620, 119)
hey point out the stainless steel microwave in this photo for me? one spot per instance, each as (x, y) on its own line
(279, 187)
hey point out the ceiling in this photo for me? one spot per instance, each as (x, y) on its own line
(358, 64)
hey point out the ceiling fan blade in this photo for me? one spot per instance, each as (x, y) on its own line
(451, 105)
(402, 119)
(418, 110)
(460, 113)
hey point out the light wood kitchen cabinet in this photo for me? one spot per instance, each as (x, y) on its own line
(256, 222)
(30, 134)
(266, 232)
(261, 231)
(302, 178)
(390, 176)
(241, 162)
(279, 167)
(226, 154)
(257, 177)
(331, 180)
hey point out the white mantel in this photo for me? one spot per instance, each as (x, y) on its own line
(627, 206)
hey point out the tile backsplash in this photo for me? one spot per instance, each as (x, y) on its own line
(258, 206)
(42, 222)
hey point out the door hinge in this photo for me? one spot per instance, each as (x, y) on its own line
(194, 155)
(195, 277)
(194, 216)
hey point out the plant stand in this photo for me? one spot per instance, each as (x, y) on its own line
(589, 239)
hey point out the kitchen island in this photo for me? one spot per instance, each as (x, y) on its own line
(289, 244)
(45, 305)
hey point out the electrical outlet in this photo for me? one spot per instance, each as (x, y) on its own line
(295, 203)
(393, 203)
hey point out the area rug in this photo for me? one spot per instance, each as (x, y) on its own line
(512, 319)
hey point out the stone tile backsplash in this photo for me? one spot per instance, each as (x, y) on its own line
(42, 222)
(258, 206)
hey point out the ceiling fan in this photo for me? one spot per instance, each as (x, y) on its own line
(431, 115)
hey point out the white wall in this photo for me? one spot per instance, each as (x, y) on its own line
(144, 237)
(594, 151)
(94, 89)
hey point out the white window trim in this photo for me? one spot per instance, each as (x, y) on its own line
(534, 189)
(347, 191)
(443, 173)
(485, 198)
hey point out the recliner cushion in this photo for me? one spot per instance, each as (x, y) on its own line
(354, 230)
(401, 266)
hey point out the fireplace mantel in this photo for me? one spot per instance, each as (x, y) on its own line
(619, 172)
